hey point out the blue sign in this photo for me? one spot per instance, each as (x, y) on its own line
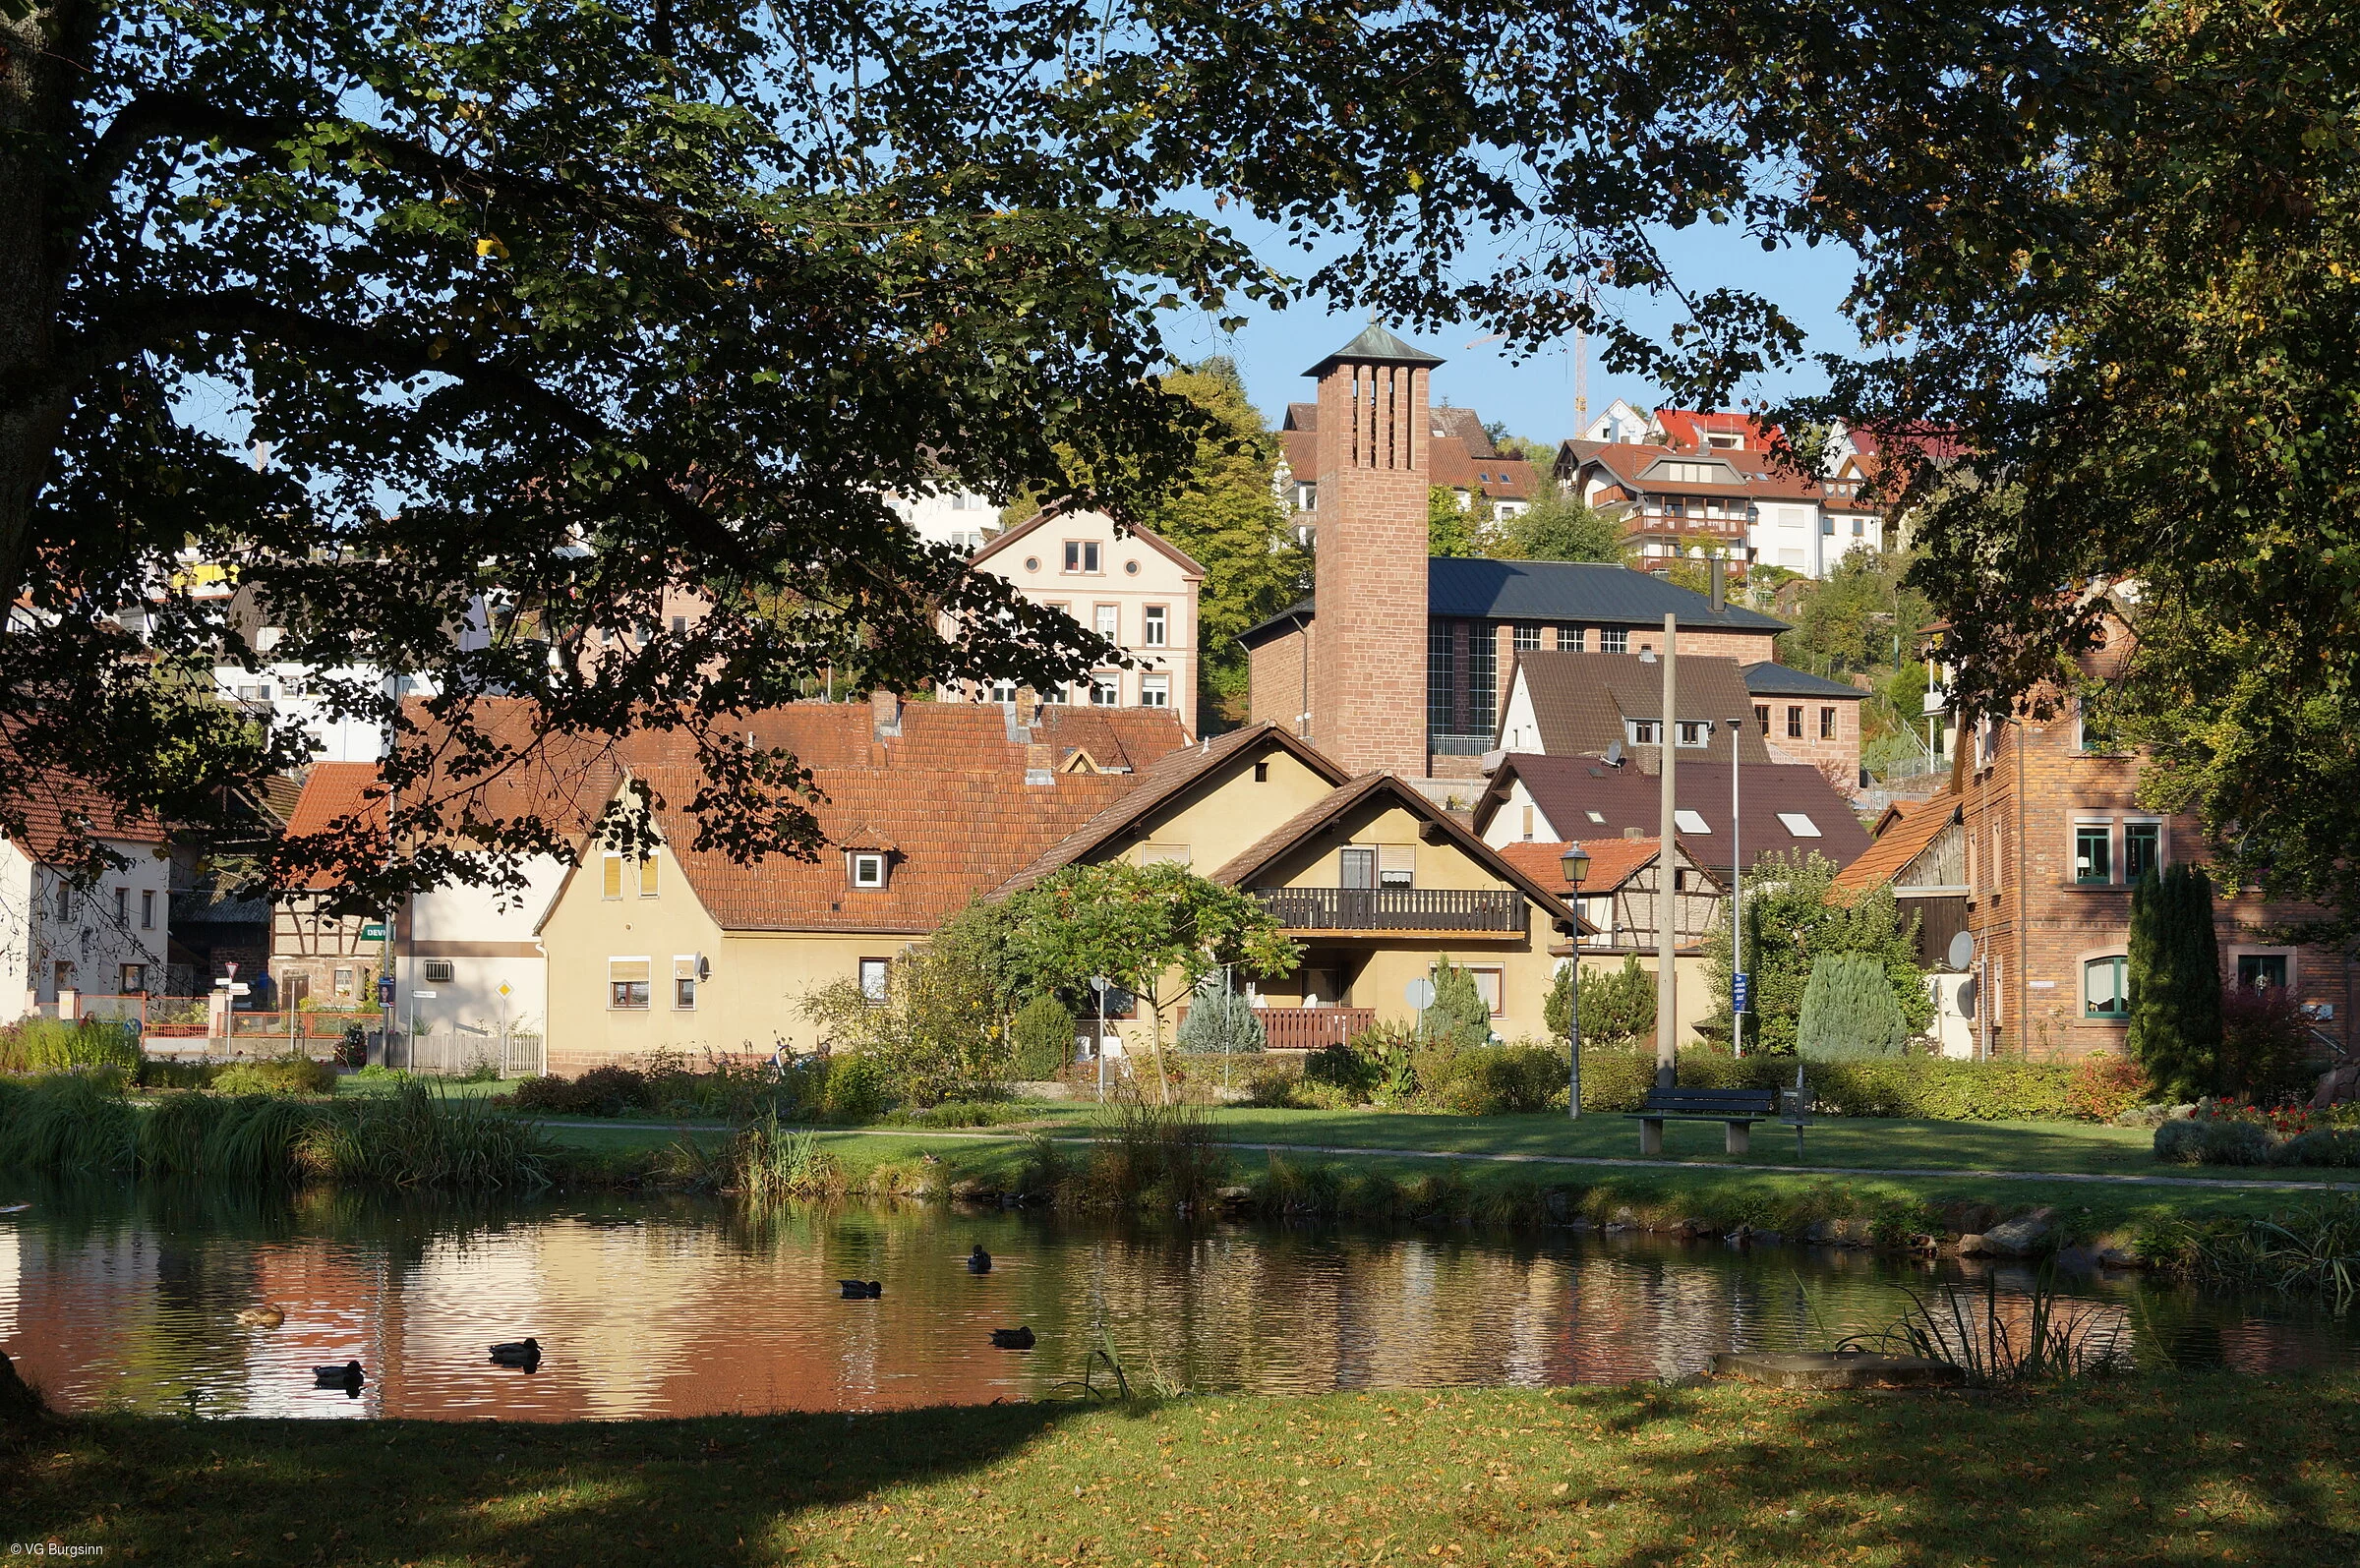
(384, 991)
(1740, 990)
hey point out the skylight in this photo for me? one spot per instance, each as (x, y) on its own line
(1598, 817)
(1689, 822)
(1800, 826)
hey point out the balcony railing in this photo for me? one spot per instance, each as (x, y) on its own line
(1443, 744)
(1395, 908)
(1310, 1028)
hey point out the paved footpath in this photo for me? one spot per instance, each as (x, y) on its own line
(1946, 1172)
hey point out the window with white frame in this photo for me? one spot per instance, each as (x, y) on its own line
(1694, 733)
(2105, 987)
(683, 982)
(1396, 865)
(147, 908)
(1105, 689)
(1527, 638)
(1643, 731)
(874, 974)
(1082, 556)
(1614, 640)
(627, 984)
(1154, 691)
(1155, 626)
(343, 980)
(1108, 622)
(1568, 639)
(868, 868)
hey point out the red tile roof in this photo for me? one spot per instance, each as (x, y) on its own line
(1903, 835)
(56, 808)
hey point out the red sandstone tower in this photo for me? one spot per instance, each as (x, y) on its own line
(1368, 682)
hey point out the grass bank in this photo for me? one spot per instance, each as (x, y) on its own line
(2199, 1468)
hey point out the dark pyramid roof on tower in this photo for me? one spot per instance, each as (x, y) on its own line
(1375, 345)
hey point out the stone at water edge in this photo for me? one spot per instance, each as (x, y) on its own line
(17, 1402)
(1824, 1369)
(1969, 1217)
(2018, 1237)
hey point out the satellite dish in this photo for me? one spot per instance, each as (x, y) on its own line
(1962, 951)
(1614, 755)
(1419, 994)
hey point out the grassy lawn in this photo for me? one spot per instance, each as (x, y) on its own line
(2189, 1468)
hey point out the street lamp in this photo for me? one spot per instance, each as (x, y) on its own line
(1738, 988)
(1576, 867)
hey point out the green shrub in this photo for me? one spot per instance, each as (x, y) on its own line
(1616, 1009)
(2323, 1146)
(1044, 1040)
(2210, 1142)
(1505, 1080)
(1346, 1066)
(856, 1086)
(2175, 975)
(164, 1072)
(1790, 921)
(1458, 1015)
(2104, 1085)
(287, 1075)
(1220, 1021)
(1849, 1011)
(51, 1045)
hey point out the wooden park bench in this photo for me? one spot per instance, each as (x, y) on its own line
(1737, 1110)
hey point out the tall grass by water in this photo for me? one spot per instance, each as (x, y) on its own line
(1152, 1156)
(416, 1136)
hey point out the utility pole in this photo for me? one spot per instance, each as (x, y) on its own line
(1667, 906)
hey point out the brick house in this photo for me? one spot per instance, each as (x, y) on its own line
(1808, 718)
(2036, 843)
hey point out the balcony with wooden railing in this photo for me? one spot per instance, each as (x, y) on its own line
(1309, 1028)
(1477, 912)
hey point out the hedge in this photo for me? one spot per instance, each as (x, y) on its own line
(1915, 1087)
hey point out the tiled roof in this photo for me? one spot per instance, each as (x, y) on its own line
(334, 791)
(58, 808)
(1579, 701)
(948, 793)
(1567, 789)
(1454, 467)
(1908, 829)
(1613, 862)
(1248, 862)
(1162, 782)
(1689, 428)
(1770, 679)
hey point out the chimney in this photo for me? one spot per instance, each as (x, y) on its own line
(1040, 767)
(885, 714)
(1720, 584)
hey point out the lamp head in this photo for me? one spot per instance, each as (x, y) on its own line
(1575, 865)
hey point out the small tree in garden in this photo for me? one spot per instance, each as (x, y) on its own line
(1220, 1021)
(1459, 1017)
(2264, 1041)
(1791, 921)
(1849, 1011)
(2175, 983)
(1616, 1009)
(1156, 931)
(1043, 1036)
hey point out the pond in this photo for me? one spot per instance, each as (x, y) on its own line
(116, 1297)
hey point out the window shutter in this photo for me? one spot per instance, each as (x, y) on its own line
(613, 866)
(1396, 863)
(647, 877)
(627, 971)
(1156, 854)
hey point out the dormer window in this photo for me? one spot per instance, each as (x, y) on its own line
(1643, 731)
(867, 868)
(1693, 731)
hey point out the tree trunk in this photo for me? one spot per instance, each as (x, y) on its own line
(42, 56)
(1163, 1082)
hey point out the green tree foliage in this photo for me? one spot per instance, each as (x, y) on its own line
(1044, 1040)
(1557, 526)
(1458, 1017)
(1156, 931)
(1863, 619)
(1790, 921)
(1452, 527)
(540, 312)
(2174, 977)
(1220, 1021)
(1616, 1009)
(1849, 1011)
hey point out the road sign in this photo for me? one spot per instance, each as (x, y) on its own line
(504, 988)
(423, 996)
(373, 931)
(1740, 991)
(1962, 951)
(239, 988)
(1419, 994)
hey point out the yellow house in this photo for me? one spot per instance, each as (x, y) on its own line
(925, 805)
(1372, 879)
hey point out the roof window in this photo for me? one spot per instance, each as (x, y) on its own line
(1690, 822)
(1799, 825)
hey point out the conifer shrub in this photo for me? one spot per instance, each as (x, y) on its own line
(1616, 1009)
(2175, 975)
(1849, 1011)
(1459, 1017)
(1220, 1023)
(1043, 1035)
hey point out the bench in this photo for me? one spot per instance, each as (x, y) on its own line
(1737, 1110)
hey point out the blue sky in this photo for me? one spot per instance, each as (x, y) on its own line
(1535, 397)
